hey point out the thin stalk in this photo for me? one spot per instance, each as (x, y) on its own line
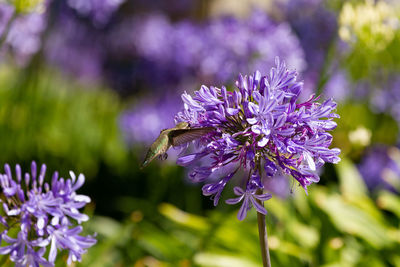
(262, 233)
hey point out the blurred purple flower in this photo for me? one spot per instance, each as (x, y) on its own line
(253, 44)
(381, 93)
(377, 164)
(44, 214)
(387, 97)
(316, 28)
(24, 34)
(149, 51)
(141, 124)
(100, 11)
(74, 46)
(172, 7)
(259, 127)
(6, 12)
(338, 87)
(315, 25)
(152, 37)
(278, 185)
(170, 54)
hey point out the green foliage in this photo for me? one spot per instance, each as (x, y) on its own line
(382, 128)
(46, 118)
(331, 227)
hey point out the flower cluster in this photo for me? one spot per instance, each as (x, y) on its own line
(380, 168)
(24, 32)
(100, 11)
(316, 28)
(82, 56)
(43, 215)
(261, 129)
(199, 51)
(142, 123)
(202, 48)
(386, 97)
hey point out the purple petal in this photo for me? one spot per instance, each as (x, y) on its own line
(263, 142)
(243, 209)
(263, 197)
(309, 159)
(252, 120)
(233, 201)
(256, 129)
(232, 111)
(258, 206)
(238, 191)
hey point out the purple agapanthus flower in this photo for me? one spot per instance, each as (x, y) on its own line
(172, 53)
(259, 128)
(316, 28)
(45, 214)
(385, 97)
(100, 11)
(6, 12)
(22, 33)
(380, 169)
(141, 124)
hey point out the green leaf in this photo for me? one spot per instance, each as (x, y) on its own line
(354, 189)
(110, 234)
(389, 201)
(305, 235)
(183, 218)
(162, 244)
(223, 260)
(351, 182)
(353, 220)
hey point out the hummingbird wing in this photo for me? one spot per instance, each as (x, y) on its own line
(183, 136)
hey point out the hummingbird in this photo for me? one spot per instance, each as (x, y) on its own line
(176, 136)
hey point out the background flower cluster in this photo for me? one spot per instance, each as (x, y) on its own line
(46, 214)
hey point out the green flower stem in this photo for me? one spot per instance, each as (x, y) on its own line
(262, 233)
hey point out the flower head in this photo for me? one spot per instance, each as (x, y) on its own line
(260, 128)
(44, 214)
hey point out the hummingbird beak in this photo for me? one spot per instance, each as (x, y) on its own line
(144, 164)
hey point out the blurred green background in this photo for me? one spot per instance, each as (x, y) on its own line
(155, 217)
